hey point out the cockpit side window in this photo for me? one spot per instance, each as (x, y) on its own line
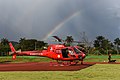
(71, 51)
(65, 53)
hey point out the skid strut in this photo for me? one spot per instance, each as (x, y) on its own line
(62, 63)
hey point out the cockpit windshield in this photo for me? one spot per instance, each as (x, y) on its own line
(77, 51)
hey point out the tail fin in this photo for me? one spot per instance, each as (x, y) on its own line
(13, 50)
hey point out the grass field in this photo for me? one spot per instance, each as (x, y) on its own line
(101, 58)
(95, 72)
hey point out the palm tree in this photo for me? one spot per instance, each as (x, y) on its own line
(69, 40)
(4, 41)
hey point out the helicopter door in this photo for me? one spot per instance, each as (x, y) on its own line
(65, 53)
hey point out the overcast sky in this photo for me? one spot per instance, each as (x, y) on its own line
(41, 19)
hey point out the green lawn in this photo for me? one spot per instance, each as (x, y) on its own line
(101, 58)
(21, 59)
(96, 72)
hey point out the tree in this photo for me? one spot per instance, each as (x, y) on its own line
(117, 44)
(69, 40)
(4, 47)
(30, 44)
(102, 44)
(117, 41)
(4, 41)
(98, 42)
(40, 45)
(27, 44)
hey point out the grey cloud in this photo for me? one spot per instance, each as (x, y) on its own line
(36, 18)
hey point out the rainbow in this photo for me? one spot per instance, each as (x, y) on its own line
(61, 24)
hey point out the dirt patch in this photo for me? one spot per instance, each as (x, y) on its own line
(41, 66)
(45, 66)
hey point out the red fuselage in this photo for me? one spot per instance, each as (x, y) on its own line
(56, 52)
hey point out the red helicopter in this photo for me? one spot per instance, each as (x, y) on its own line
(57, 52)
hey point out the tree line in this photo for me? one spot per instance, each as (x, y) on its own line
(23, 45)
(104, 46)
(100, 45)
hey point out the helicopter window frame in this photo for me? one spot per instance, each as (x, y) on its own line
(77, 51)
